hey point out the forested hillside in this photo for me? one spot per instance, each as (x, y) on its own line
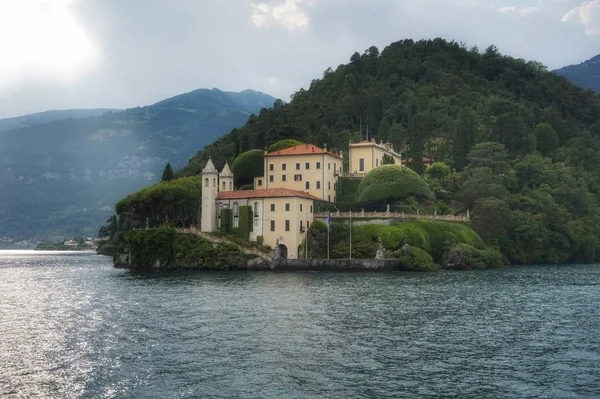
(586, 74)
(60, 179)
(523, 142)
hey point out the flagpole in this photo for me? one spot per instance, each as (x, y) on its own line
(350, 234)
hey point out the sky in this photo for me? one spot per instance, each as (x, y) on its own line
(58, 54)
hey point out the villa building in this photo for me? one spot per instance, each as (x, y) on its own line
(368, 155)
(304, 167)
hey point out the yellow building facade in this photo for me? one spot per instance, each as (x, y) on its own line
(281, 216)
(304, 167)
(368, 155)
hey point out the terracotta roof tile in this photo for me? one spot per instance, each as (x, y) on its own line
(265, 193)
(302, 149)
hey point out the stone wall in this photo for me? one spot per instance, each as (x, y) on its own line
(310, 265)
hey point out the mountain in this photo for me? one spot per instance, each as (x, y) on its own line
(49, 116)
(62, 178)
(586, 74)
(522, 142)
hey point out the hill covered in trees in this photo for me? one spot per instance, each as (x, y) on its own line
(586, 74)
(49, 116)
(522, 142)
(62, 178)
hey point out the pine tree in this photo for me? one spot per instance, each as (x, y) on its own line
(168, 174)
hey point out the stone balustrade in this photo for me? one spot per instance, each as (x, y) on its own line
(391, 215)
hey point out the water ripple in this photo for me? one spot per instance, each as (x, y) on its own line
(72, 326)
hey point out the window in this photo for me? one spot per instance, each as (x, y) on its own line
(223, 186)
(318, 185)
(214, 182)
(259, 182)
(334, 198)
(287, 225)
(300, 207)
(283, 177)
(311, 209)
(271, 178)
(318, 165)
(376, 162)
(307, 185)
(236, 219)
(298, 166)
(307, 224)
(287, 207)
(301, 225)
(329, 198)
(328, 185)
(335, 186)
(272, 207)
(297, 177)
(230, 186)
(256, 209)
(361, 165)
(206, 182)
(271, 167)
(283, 166)
(307, 165)
(272, 225)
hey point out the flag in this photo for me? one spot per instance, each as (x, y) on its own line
(328, 217)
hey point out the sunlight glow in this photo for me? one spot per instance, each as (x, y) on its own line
(42, 38)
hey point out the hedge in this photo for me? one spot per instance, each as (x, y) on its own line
(391, 183)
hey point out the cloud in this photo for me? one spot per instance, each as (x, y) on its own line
(116, 53)
(588, 15)
(40, 40)
(287, 13)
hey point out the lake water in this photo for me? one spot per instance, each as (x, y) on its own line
(73, 326)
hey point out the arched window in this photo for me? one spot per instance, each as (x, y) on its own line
(206, 182)
(230, 186)
(214, 182)
(223, 186)
(236, 219)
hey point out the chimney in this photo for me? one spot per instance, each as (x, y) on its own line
(325, 147)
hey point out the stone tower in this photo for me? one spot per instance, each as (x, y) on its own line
(226, 179)
(210, 184)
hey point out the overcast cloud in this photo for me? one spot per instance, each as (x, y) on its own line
(57, 54)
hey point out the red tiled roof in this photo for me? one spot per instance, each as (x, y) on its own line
(265, 193)
(302, 149)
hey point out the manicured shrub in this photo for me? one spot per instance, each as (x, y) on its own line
(416, 259)
(391, 183)
(247, 166)
(465, 257)
(260, 240)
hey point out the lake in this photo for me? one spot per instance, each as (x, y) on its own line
(73, 326)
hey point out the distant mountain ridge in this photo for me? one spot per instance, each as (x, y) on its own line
(40, 118)
(585, 75)
(62, 178)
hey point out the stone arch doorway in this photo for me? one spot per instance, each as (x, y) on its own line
(283, 251)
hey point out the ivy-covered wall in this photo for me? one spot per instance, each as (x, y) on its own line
(226, 221)
(245, 222)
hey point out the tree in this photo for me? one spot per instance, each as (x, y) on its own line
(283, 144)
(438, 170)
(387, 160)
(384, 130)
(391, 183)
(547, 138)
(168, 174)
(247, 166)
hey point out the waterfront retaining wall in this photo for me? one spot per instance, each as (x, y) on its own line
(315, 265)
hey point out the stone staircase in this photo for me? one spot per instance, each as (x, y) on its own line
(215, 240)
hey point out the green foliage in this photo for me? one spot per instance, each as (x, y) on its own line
(416, 259)
(246, 218)
(168, 173)
(464, 256)
(438, 170)
(189, 250)
(346, 193)
(150, 246)
(247, 166)
(391, 183)
(226, 221)
(283, 144)
(387, 160)
(227, 254)
(176, 202)
(260, 240)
